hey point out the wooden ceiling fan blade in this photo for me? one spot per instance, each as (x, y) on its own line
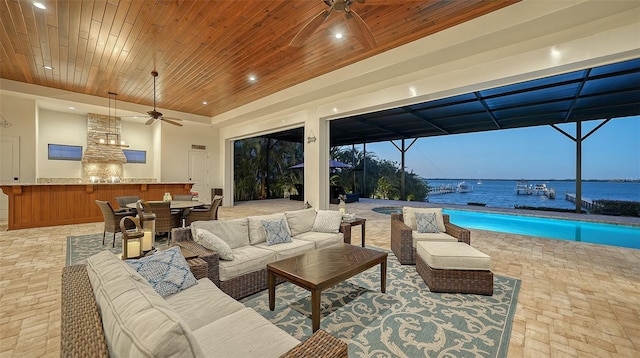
(172, 122)
(309, 28)
(360, 30)
(172, 118)
(150, 121)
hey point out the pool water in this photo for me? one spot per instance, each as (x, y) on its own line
(572, 230)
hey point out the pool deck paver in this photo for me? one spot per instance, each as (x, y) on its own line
(576, 299)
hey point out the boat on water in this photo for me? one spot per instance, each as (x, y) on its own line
(524, 188)
(463, 187)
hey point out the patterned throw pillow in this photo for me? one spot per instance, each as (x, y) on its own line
(427, 222)
(327, 221)
(277, 232)
(214, 242)
(167, 271)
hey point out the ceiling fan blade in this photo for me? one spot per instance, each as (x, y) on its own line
(172, 122)
(310, 28)
(172, 118)
(360, 30)
(150, 121)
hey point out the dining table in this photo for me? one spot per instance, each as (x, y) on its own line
(175, 204)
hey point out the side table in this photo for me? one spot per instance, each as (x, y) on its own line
(352, 223)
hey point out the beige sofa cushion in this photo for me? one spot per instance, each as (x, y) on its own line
(244, 334)
(409, 217)
(234, 232)
(321, 239)
(246, 259)
(137, 321)
(300, 220)
(256, 230)
(428, 236)
(202, 304)
(327, 221)
(288, 249)
(453, 256)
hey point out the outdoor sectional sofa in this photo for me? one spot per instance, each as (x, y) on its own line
(109, 309)
(246, 274)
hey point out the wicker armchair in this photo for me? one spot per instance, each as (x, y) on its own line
(208, 213)
(111, 220)
(165, 218)
(82, 333)
(402, 240)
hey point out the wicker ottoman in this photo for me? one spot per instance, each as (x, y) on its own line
(454, 267)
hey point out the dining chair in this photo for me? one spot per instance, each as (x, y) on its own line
(111, 220)
(165, 218)
(123, 201)
(205, 214)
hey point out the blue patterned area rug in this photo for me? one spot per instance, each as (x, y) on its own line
(81, 247)
(407, 321)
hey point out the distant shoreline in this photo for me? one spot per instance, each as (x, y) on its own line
(533, 180)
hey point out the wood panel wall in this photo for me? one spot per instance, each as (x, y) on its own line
(63, 204)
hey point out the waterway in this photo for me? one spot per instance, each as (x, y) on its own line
(502, 193)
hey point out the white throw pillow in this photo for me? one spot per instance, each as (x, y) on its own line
(300, 221)
(212, 242)
(427, 223)
(327, 221)
(234, 232)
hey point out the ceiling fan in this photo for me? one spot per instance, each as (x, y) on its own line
(154, 114)
(357, 26)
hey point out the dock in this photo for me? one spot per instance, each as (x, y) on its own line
(443, 189)
(585, 202)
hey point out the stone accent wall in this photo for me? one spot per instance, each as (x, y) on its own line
(101, 160)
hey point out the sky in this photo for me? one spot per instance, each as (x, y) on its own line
(612, 152)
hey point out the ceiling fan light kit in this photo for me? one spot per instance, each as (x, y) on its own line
(356, 24)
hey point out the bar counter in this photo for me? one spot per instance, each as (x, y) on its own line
(39, 205)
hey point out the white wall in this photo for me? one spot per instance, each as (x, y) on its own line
(74, 133)
(21, 113)
(176, 144)
(138, 136)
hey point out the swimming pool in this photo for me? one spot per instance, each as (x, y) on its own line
(572, 230)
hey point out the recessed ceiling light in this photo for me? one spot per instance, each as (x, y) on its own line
(252, 78)
(72, 107)
(205, 103)
(339, 35)
(47, 67)
(39, 5)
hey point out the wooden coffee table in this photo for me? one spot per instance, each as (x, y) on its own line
(324, 268)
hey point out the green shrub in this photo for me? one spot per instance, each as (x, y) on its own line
(617, 207)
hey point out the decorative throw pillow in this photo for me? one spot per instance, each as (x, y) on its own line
(327, 221)
(277, 232)
(214, 242)
(427, 222)
(166, 271)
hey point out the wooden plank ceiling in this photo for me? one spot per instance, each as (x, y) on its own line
(203, 50)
